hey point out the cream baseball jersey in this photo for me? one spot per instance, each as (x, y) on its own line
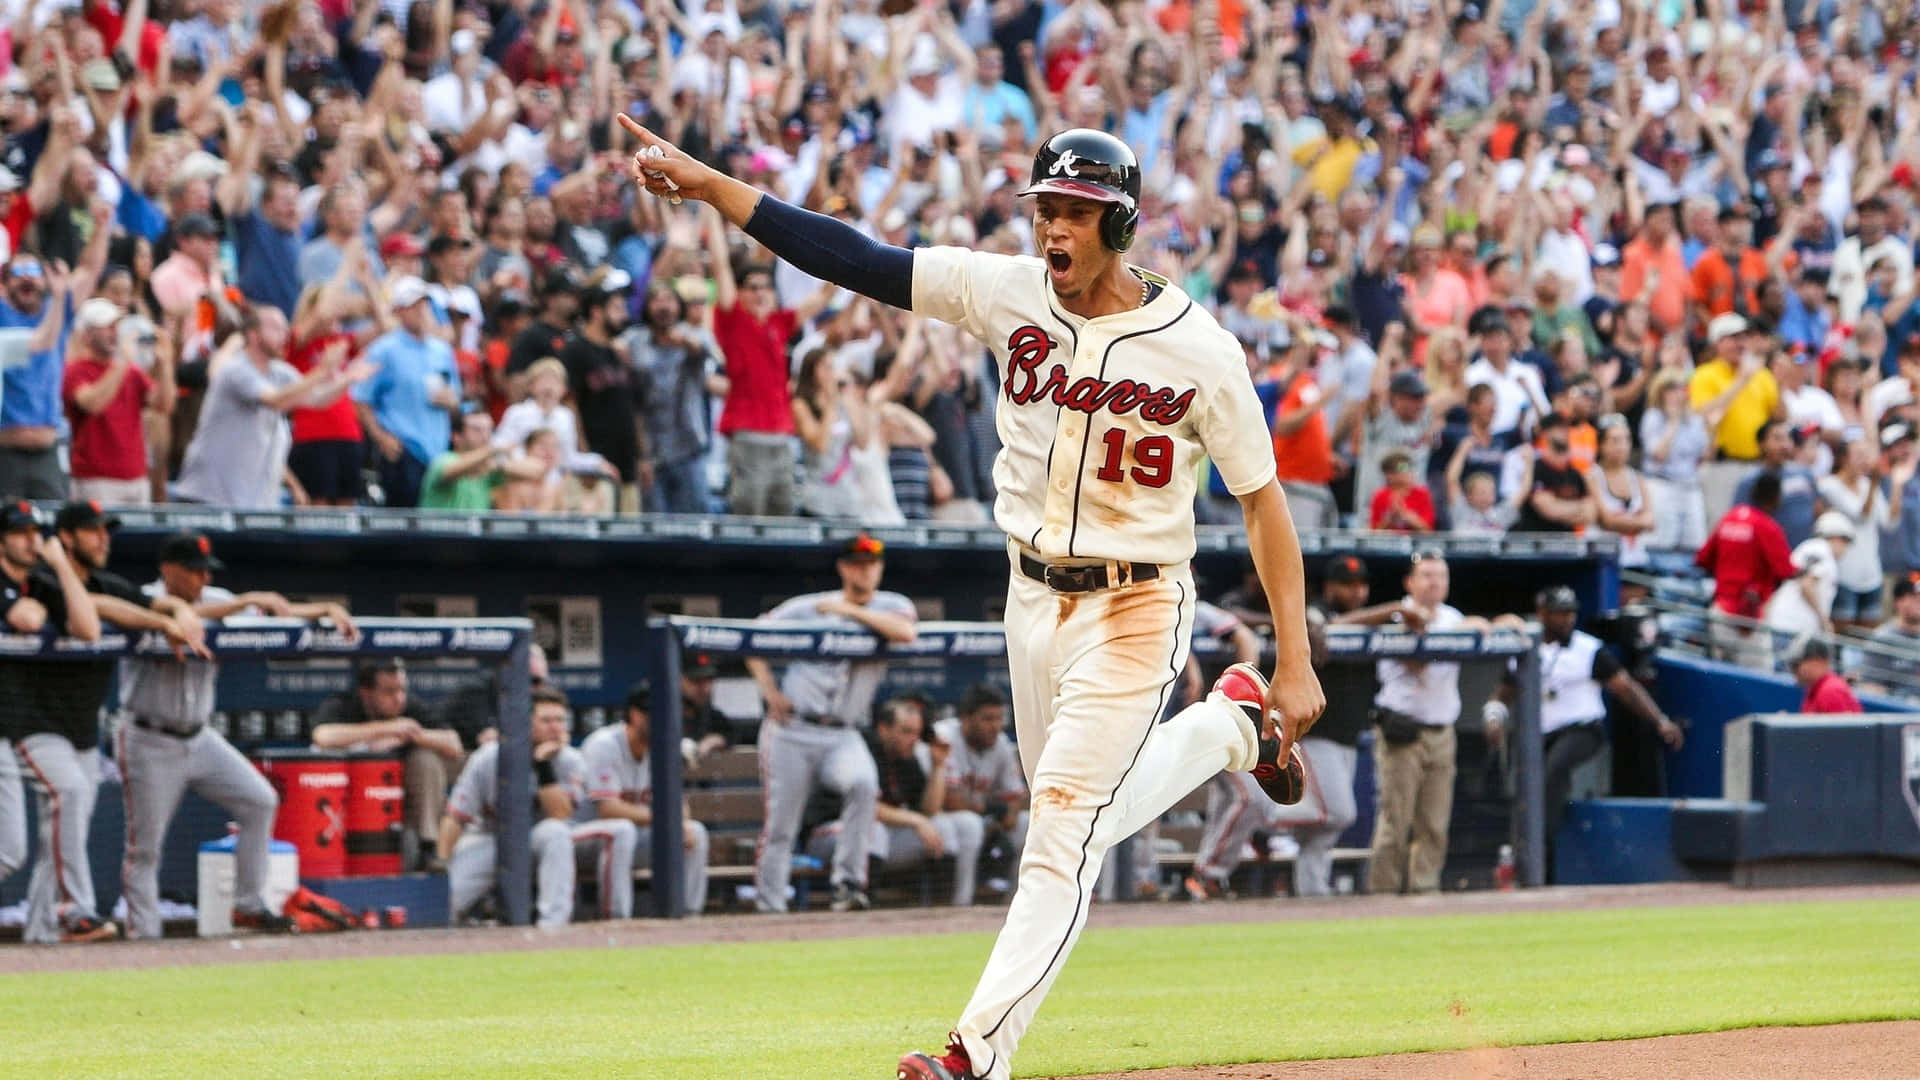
(1103, 422)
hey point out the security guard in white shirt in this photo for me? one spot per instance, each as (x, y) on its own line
(1574, 668)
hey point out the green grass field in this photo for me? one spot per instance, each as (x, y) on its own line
(847, 1008)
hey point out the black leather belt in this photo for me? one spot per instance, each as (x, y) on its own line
(1089, 578)
(145, 724)
(824, 721)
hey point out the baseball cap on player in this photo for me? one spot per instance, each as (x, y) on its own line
(863, 548)
(191, 550)
(640, 696)
(84, 514)
(698, 666)
(18, 514)
(1089, 164)
(1557, 598)
(1346, 570)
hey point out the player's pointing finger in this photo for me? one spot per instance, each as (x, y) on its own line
(635, 129)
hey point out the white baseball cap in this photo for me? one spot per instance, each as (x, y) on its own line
(98, 312)
(1833, 524)
(462, 300)
(1725, 326)
(405, 292)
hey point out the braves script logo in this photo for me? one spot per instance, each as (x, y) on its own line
(1028, 348)
(1064, 164)
(1910, 768)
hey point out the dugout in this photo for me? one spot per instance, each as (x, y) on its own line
(500, 645)
(670, 636)
(589, 585)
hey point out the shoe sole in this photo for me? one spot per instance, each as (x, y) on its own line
(1285, 785)
(107, 932)
(922, 1067)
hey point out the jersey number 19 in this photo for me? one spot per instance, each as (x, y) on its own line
(1153, 454)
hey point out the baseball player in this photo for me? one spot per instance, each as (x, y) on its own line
(165, 746)
(1332, 750)
(60, 734)
(467, 843)
(1115, 384)
(618, 817)
(912, 827)
(812, 730)
(1236, 807)
(34, 600)
(983, 769)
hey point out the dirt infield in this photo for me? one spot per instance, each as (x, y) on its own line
(1889, 1051)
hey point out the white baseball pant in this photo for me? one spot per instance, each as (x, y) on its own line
(156, 769)
(13, 814)
(1091, 675)
(614, 847)
(793, 757)
(1318, 819)
(65, 783)
(474, 867)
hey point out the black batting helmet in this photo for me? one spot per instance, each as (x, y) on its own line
(1089, 164)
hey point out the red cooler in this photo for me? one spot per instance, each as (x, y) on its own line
(312, 785)
(376, 795)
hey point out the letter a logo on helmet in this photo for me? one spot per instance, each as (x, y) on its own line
(1088, 164)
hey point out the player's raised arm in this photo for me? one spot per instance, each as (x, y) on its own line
(817, 244)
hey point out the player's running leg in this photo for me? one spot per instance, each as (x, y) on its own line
(1107, 768)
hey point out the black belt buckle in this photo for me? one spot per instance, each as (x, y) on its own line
(158, 729)
(1075, 578)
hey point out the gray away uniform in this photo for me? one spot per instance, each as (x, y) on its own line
(832, 700)
(165, 747)
(619, 844)
(472, 870)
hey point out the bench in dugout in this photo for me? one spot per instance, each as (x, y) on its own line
(723, 793)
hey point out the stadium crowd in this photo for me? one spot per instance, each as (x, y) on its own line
(1580, 266)
(1543, 266)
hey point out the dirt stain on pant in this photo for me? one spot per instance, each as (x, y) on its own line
(1052, 797)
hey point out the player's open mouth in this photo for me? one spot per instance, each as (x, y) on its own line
(1059, 262)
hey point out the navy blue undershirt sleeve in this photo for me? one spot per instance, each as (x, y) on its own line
(834, 251)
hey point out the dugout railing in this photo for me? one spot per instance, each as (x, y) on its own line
(668, 636)
(501, 644)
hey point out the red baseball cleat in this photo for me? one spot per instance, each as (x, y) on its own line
(1244, 686)
(952, 1065)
